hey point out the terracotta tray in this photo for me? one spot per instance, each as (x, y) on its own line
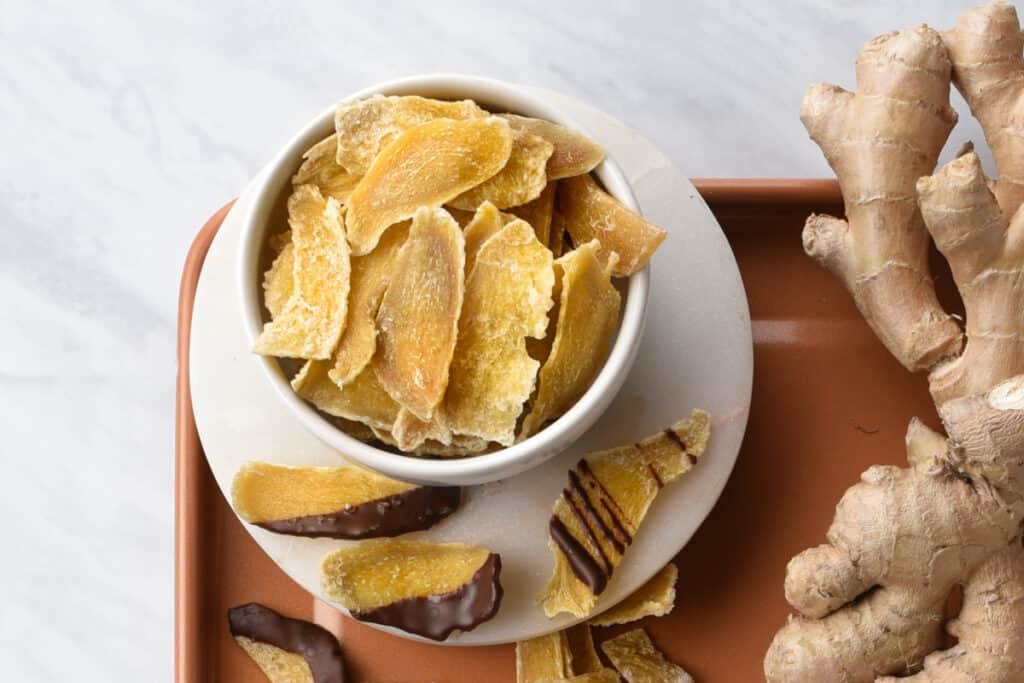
(828, 402)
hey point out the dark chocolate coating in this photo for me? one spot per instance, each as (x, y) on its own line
(436, 616)
(413, 510)
(314, 643)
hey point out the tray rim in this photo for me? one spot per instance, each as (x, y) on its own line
(189, 653)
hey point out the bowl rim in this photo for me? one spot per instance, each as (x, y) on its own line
(506, 461)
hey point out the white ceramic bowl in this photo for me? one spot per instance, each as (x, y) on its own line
(266, 213)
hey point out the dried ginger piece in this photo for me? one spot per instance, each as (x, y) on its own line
(587, 314)
(656, 598)
(279, 666)
(279, 280)
(459, 446)
(544, 658)
(581, 645)
(591, 213)
(336, 502)
(485, 224)
(418, 319)
(365, 127)
(429, 589)
(312, 320)
(425, 166)
(538, 212)
(320, 168)
(508, 295)
(370, 277)
(602, 676)
(636, 658)
(600, 511)
(521, 180)
(574, 153)
(410, 432)
(286, 650)
(363, 399)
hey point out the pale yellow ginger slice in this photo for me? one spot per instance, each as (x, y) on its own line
(574, 153)
(591, 213)
(279, 666)
(656, 598)
(588, 311)
(362, 400)
(538, 213)
(508, 295)
(418, 319)
(486, 222)
(312, 320)
(370, 277)
(601, 510)
(520, 181)
(602, 676)
(279, 280)
(430, 589)
(428, 165)
(581, 645)
(544, 658)
(410, 432)
(457, 446)
(320, 168)
(639, 661)
(366, 126)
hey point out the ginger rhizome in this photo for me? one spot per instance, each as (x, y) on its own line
(871, 601)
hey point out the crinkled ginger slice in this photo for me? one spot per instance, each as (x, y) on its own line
(600, 511)
(410, 432)
(428, 165)
(486, 222)
(588, 311)
(418, 319)
(636, 658)
(591, 213)
(656, 598)
(366, 126)
(520, 181)
(320, 168)
(508, 295)
(574, 153)
(430, 589)
(458, 447)
(279, 280)
(362, 400)
(312, 320)
(538, 212)
(370, 277)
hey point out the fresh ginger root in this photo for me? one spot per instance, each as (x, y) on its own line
(879, 141)
(988, 70)
(871, 602)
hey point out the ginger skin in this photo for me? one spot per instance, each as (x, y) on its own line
(871, 601)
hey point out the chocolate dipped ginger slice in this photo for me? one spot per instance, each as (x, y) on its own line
(286, 650)
(600, 511)
(429, 589)
(336, 502)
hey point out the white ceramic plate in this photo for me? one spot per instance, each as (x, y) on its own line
(696, 353)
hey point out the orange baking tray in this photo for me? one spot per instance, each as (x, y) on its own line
(828, 402)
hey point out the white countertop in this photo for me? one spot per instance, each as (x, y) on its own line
(123, 128)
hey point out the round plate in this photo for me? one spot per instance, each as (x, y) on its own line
(696, 353)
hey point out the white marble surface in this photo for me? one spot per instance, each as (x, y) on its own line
(124, 125)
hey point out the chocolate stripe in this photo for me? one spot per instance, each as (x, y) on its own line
(676, 439)
(413, 510)
(654, 475)
(436, 616)
(583, 565)
(592, 512)
(315, 644)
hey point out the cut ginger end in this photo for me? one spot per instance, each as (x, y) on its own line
(620, 485)
(591, 213)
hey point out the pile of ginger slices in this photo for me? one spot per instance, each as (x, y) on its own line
(446, 277)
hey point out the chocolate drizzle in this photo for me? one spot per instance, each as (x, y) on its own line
(315, 644)
(581, 562)
(436, 616)
(413, 510)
